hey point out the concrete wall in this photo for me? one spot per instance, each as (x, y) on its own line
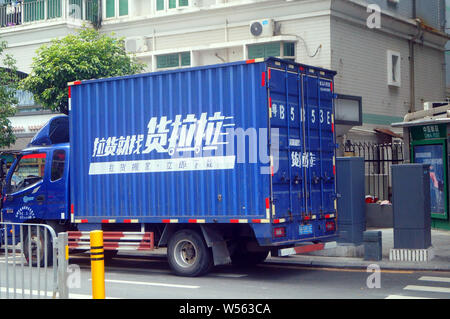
(430, 75)
(359, 55)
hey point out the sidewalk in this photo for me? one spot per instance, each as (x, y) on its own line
(334, 257)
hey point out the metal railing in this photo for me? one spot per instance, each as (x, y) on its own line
(378, 159)
(17, 13)
(30, 266)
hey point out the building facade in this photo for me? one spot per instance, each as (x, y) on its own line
(394, 59)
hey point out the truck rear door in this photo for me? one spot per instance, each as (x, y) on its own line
(319, 145)
(286, 107)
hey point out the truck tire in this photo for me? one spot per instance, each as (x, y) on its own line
(35, 242)
(188, 254)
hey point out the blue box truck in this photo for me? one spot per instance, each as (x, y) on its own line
(221, 163)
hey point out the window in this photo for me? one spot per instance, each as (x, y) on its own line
(264, 50)
(110, 8)
(394, 68)
(123, 7)
(289, 49)
(29, 170)
(58, 163)
(185, 58)
(116, 6)
(276, 49)
(160, 5)
(173, 60)
(170, 4)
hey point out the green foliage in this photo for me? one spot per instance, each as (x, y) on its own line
(83, 56)
(8, 84)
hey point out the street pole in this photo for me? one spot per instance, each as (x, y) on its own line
(97, 265)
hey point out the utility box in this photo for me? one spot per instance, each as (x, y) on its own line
(411, 206)
(350, 203)
(373, 247)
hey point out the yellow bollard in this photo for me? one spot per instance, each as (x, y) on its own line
(97, 265)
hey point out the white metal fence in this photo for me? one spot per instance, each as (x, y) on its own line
(33, 262)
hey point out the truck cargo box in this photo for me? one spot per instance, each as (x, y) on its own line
(246, 142)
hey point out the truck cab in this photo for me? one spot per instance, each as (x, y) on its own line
(36, 185)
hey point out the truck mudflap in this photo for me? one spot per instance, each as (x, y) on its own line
(302, 249)
(113, 240)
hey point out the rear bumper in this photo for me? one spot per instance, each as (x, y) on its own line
(302, 249)
(294, 233)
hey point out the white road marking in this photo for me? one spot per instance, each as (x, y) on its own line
(405, 297)
(158, 284)
(162, 271)
(435, 279)
(428, 289)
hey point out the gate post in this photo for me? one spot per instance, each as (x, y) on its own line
(63, 263)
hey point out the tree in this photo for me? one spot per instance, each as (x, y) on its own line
(9, 81)
(85, 55)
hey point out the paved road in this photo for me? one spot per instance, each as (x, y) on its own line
(149, 277)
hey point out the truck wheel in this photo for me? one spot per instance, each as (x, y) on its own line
(188, 254)
(38, 241)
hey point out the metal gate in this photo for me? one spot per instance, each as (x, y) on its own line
(378, 159)
(29, 262)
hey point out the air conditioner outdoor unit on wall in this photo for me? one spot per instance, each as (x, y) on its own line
(136, 45)
(262, 28)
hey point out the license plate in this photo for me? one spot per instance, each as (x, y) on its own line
(305, 229)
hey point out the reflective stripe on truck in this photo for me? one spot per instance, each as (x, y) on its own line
(307, 248)
(113, 240)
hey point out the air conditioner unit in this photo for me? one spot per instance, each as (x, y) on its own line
(136, 45)
(262, 28)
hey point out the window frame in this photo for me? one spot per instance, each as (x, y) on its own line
(282, 50)
(391, 73)
(116, 10)
(17, 165)
(180, 60)
(166, 5)
(63, 165)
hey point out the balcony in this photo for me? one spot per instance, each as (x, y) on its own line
(24, 12)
